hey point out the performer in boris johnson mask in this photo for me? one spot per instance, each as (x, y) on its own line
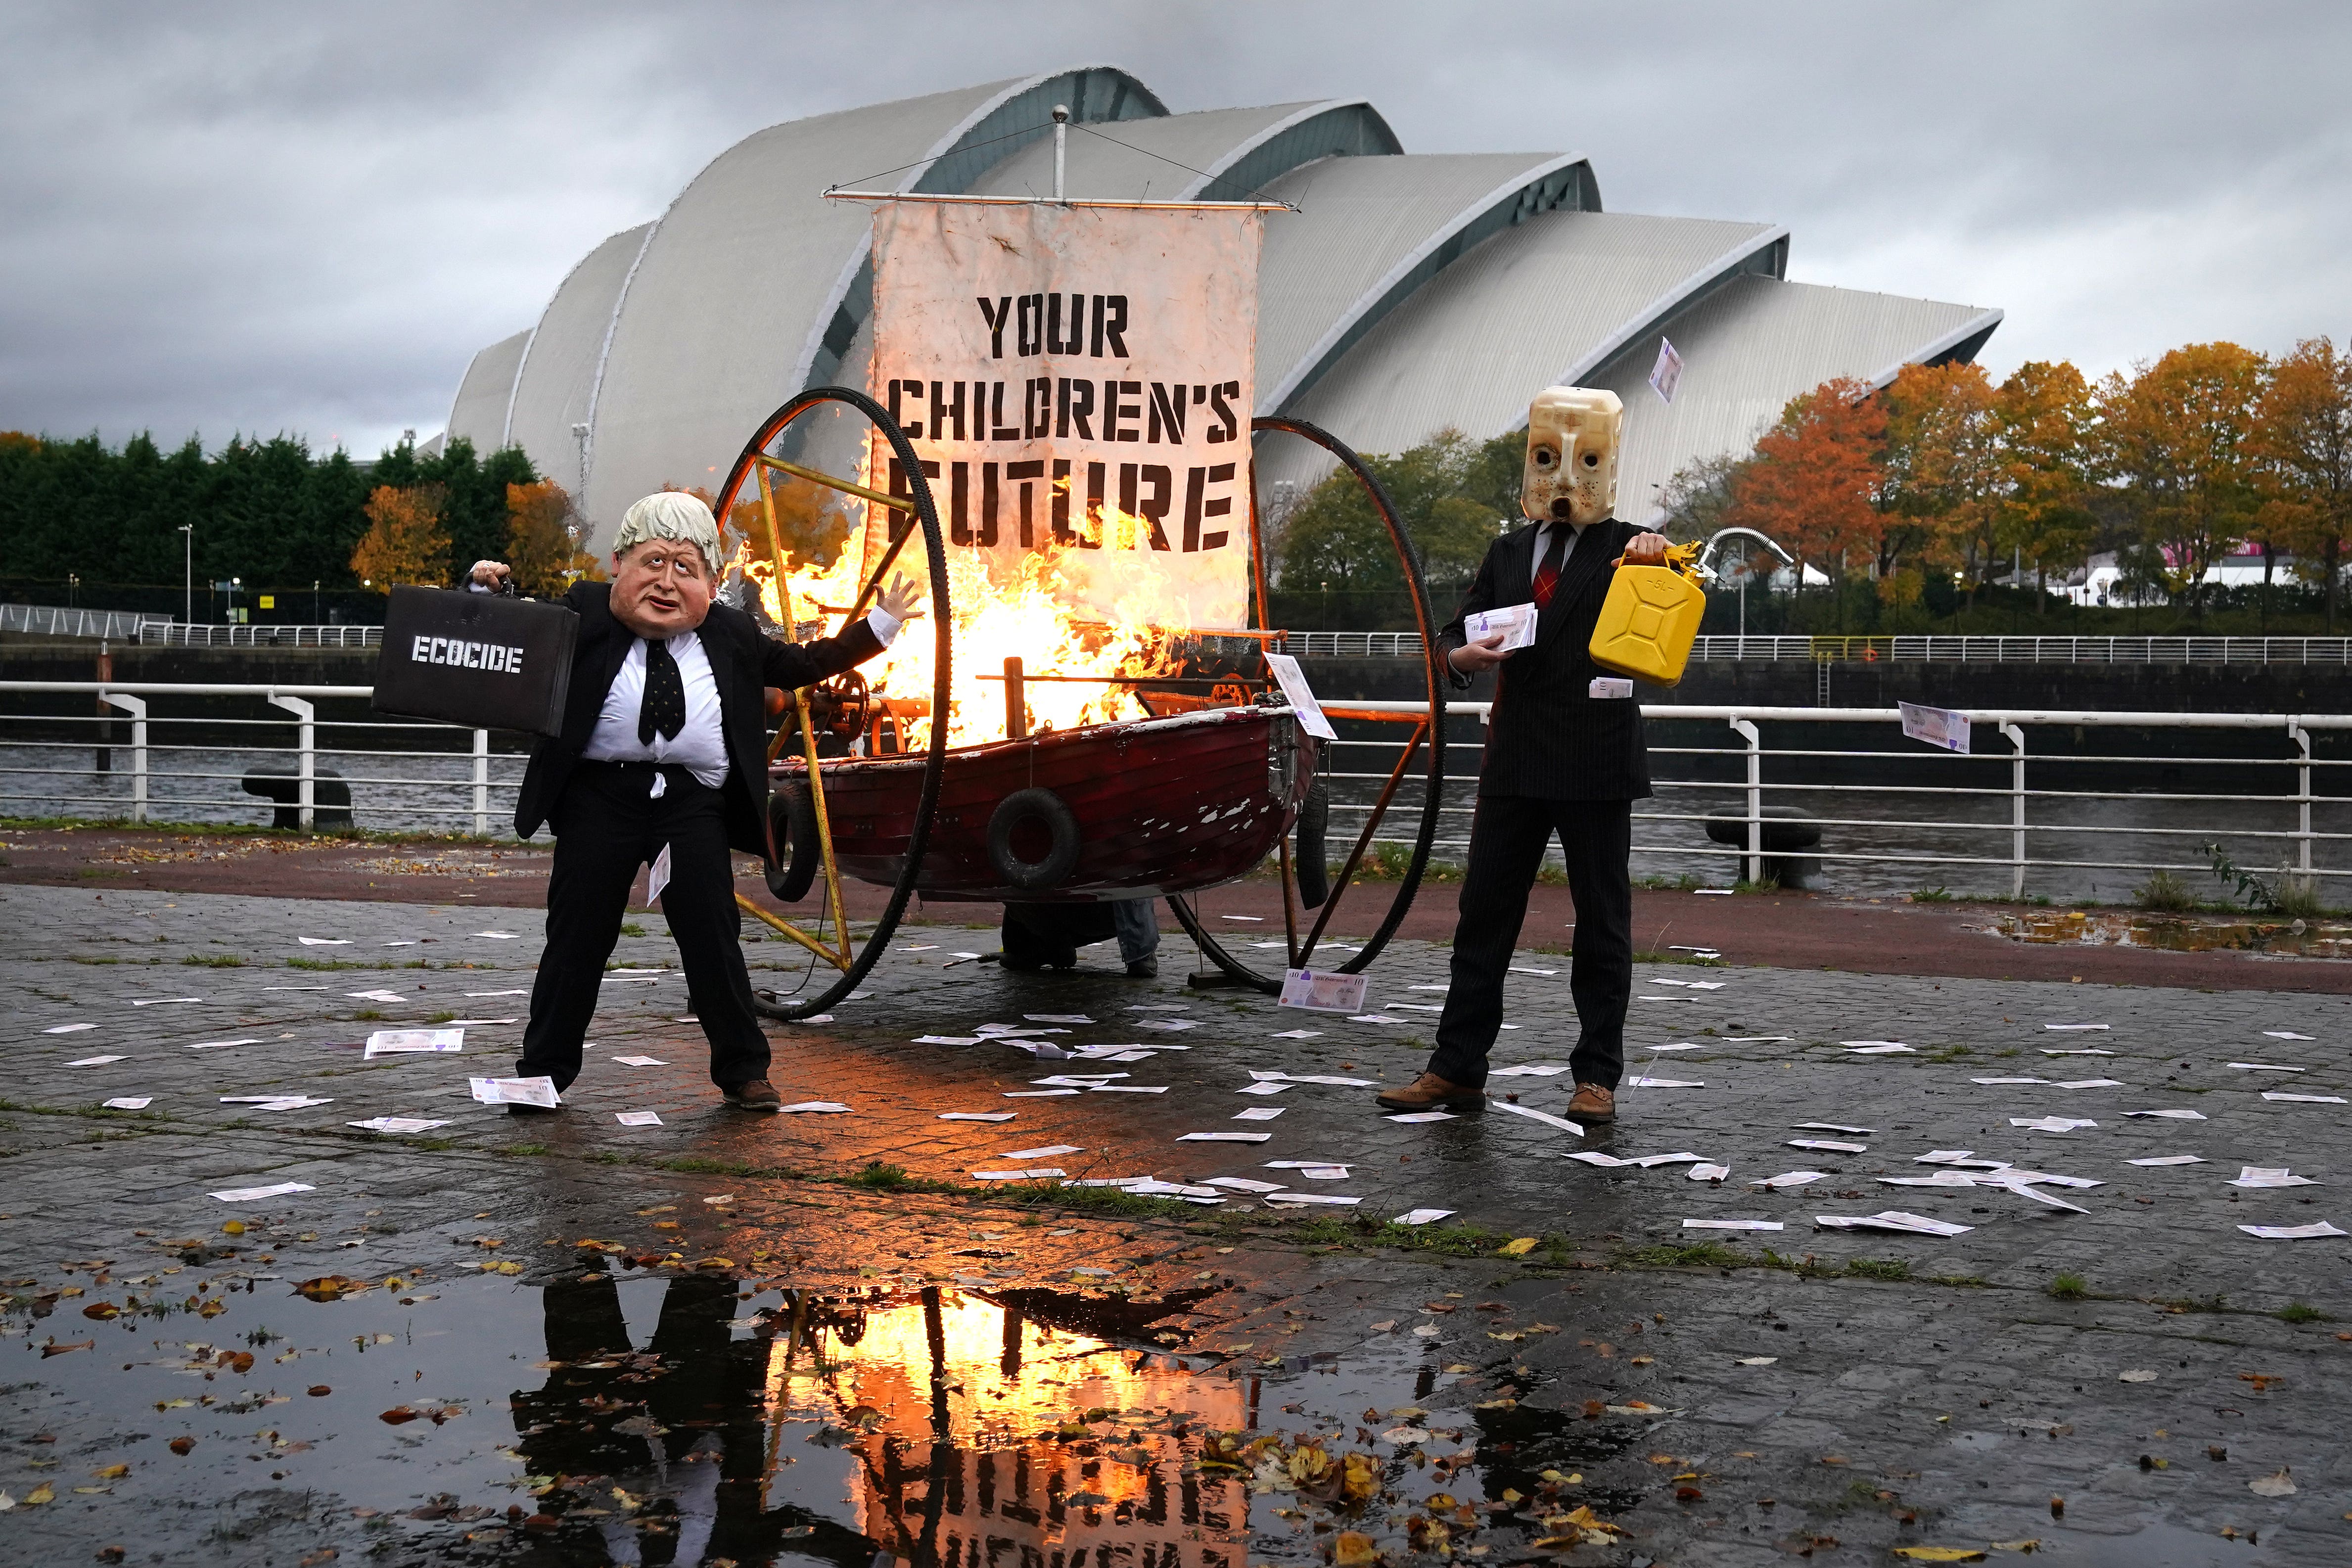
(662, 761)
(1565, 759)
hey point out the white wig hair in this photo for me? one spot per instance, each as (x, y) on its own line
(670, 514)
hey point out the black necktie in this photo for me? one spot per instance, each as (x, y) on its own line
(665, 705)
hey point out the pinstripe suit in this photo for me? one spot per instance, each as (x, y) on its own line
(1558, 761)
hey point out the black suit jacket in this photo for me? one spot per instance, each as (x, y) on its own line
(743, 663)
(1549, 737)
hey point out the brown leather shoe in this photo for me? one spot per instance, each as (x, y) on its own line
(757, 1095)
(1592, 1105)
(1430, 1092)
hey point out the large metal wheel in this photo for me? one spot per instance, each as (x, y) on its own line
(1300, 859)
(840, 956)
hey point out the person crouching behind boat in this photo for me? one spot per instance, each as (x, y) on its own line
(663, 748)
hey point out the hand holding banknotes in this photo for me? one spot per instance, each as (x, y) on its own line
(1484, 654)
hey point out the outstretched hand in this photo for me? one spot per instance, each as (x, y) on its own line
(898, 598)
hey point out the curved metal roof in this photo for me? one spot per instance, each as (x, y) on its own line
(1407, 294)
(479, 410)
(1183, 156)
(1534, 306)
(1371, 231)
(1750, 346)
(556, 381)
(739, 296)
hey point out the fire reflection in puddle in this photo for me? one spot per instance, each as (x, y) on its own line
(704, 1419)
(2174, 934)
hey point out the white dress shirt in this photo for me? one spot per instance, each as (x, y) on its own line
(701, 744)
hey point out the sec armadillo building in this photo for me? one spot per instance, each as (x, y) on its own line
(1410, 292)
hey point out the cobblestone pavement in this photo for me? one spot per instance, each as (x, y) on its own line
(1881, 1390)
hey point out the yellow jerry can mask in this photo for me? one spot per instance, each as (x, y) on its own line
(1650, 619)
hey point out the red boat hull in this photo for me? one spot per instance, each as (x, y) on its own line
(1164, 805)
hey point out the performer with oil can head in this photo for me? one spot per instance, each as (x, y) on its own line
(1564, 757)
(662, 749)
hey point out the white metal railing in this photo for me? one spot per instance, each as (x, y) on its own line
(51, 620)
(169, 634)
(1915, 649)
(2023, 814)
(452, 784)
(1884, 804)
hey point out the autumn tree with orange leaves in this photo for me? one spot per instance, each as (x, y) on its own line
(542, 540)
(2303, 449)
(1814, 486)
(406, 542)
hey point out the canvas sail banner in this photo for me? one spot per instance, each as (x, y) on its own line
(1077, 381)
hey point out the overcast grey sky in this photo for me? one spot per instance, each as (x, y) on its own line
(306, 219)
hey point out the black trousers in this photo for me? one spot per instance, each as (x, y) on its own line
(607, 825)
(1508, 839)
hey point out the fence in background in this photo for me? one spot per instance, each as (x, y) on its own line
(115, 759)
(127, 772)
(48, 620)
(1915, 650)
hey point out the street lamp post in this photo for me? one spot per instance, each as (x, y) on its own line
(188, 608)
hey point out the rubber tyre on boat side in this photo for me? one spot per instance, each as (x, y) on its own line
(1313, 871)
(1043, 808)
(792, 827)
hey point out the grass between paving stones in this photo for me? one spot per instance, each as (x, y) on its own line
(2069, 1287)
(1715, 1255)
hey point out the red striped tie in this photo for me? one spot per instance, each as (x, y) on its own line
(1547, 574)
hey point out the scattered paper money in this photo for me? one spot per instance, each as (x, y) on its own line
(1420, 1216)
(1540, 1069)
(2265, 1066)
(219, 1045)
(1733, 1225)
(1287, 1197)
(1705, 1172)
(1408, 1116)
(1039, 1174)
(1878, 1048)
(538, 1091)
(70, 1028)
(401, 1042)
(1546, 1116)
(493, 935)
(96, 1061)
(2269, 1177)
(977, 1115)
(2050, 1123)
(1225, 1138)
(130, 1102)
(1048, 1152)
(1829, 1145)
(1244, 1185)
(165, 1001)
(1299, 1034)
(641, 1061)
(2176, 1115)
(2291, 1232)
(1791, 1179)
(816, 1107)
(1834, 1127)
(2305, 1098)
(1891, 1219)
(324, 940)
(2071, 1028)
(1663, 1083)
(2168, 1160)
(396, 1124)
(639, 1118)
(2286, 1035)
(1261, 1113)
(256, 1195)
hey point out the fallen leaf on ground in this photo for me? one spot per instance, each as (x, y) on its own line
(1940, 1553)
(1520, 1248)
(2276, 1485)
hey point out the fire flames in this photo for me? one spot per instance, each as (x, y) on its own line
(997, 615)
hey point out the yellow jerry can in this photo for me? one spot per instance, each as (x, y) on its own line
(1650, 618)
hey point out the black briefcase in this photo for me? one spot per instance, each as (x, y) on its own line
(482, 660)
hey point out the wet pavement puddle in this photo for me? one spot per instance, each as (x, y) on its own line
(2174, 934)
(705, 1418)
